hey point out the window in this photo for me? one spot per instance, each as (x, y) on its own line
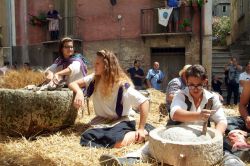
(224, 9)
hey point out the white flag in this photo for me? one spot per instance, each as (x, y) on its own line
(163, 15)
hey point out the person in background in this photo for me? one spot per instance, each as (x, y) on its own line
(239, 126)
(174, 85)
(155, 77)
(216, 84)
(245, 76)
(113, 97)
(136, 75)
(26, 66)
(226, 73)
(5, 68)
(174, 17)
(234, 71)
(243, 121)
(68, 67)
(53, 17)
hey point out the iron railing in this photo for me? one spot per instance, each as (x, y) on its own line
(150, 25)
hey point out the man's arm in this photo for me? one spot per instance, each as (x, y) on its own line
(148, 78)
(244, 101)
(239, 67)
(149, 84)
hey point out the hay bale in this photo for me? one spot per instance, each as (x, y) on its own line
(28, 113)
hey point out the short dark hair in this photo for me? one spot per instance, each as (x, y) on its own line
(6, 63)
(136, 61)
(233, 57)
(27, 63)
(196, 71)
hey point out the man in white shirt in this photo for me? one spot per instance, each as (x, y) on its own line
(245, 76)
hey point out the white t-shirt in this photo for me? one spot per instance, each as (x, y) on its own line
(244, 76)
(75, 68)
(105, 106)
(179, 102)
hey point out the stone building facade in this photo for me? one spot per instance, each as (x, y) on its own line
(221, 8)
(98, 24)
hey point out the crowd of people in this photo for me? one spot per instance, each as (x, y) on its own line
(114, 96)
(116, 92)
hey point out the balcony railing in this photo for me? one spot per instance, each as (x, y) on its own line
(150, 25)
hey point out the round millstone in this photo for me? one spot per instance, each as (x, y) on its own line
(185, 145)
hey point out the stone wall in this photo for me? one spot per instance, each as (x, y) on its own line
(127, 51)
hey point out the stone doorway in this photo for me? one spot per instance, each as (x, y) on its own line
(171, 62)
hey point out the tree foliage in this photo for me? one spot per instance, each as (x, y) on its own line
(221, 28)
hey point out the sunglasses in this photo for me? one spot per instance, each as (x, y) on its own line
(192, 86)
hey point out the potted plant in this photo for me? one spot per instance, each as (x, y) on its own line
(39, 20)
(196, 3)
(186, 25)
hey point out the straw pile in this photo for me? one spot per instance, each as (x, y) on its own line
(15, 79)
(63, 148)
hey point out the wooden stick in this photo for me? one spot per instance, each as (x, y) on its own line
(208, 107)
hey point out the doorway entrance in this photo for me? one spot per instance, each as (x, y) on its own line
(171, 62)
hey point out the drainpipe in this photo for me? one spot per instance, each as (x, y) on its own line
(11, 28)
(66, 11)
(13, 23)
(201, 37)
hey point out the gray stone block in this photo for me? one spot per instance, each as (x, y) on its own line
(27, 113)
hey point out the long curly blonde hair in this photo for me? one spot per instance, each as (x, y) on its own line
(113, 75)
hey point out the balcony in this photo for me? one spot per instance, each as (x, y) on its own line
(151, 27)
(68, 26)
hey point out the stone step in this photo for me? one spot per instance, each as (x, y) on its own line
(237, 51)
(218, 65)
(247, 43)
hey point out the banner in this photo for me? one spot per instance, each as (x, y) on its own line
(164, 14)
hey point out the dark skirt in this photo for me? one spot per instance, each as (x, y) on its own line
(109, 136)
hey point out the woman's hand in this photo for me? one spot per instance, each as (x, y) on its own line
(49, 75)
(79, 100)
(140, 135)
